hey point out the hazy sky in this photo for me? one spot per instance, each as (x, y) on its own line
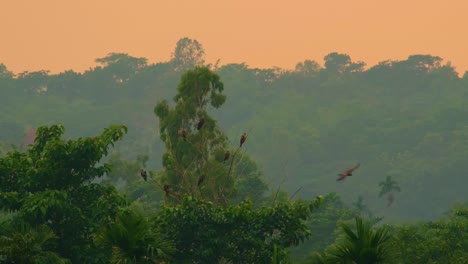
(70, 34)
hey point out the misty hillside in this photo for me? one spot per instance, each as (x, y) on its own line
(406, 119)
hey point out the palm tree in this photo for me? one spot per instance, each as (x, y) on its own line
(366, 246)
(131, 239)
(26, 245)
(388, 186)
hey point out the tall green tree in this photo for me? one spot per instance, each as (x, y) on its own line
(195, 145)
(188, 53)
(121, 67)
(338, 63)
(53, 184)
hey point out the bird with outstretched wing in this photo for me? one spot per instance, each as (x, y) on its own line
(347, 173)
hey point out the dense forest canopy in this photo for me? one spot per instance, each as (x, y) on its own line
(403, 121)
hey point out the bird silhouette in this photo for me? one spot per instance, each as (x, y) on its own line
(226, 156)
(242, 139)
(348, 172)
(166, 189)
(200, 123)
(183, 133)
(201, 179)
(144, 175)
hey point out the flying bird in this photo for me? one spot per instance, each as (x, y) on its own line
(226, 156)
(243, 138)
(201, 179)
(200, 122)
(183, 133)
(144, 175)
(348, 172)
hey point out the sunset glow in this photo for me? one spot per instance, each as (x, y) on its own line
(59, 35)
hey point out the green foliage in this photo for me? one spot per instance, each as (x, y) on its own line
(24, 244)
(249, 182)
(131, 239)
(199, 152)
(239, 233)
(337, 63)
(323, 223)
(188, 53)
(404, 118)
(4, 72)
(51, 184)
(123, 171)
(365, 246)
(125, 175)
(441, 241)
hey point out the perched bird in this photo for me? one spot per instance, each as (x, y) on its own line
(166, 189)
(348, 172)
(183, 133)
(201, 179)
(243, 138)
(144, 175)
(200, 123)
(226, 156)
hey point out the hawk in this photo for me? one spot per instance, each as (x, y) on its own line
(348, 172)
(166, 189)
(226, 156)
(242, 139)
(200, 123)
(144, 175)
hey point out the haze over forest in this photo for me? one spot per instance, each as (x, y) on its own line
(401, 120)
(307, 123)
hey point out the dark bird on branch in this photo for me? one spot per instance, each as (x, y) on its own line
(226, 156)
(243, 138)
(166, 189)
(201, 179)
(183, 133)
(200, 122)
(348, 172)
(144, 175)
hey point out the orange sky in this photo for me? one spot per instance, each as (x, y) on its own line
(63, 34)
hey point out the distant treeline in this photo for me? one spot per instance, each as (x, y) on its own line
(406, 119)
